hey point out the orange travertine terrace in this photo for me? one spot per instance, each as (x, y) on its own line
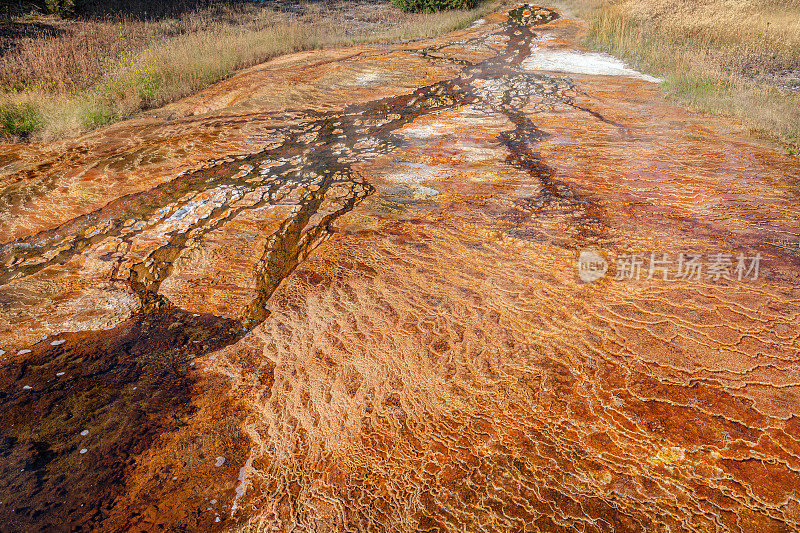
(340, 291)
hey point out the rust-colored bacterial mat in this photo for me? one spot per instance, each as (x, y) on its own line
(486, 282)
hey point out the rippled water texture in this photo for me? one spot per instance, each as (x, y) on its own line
(340, 292)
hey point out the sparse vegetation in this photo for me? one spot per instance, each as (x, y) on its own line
(68, 76)
(734, 58)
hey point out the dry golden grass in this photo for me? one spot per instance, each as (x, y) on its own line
(734, 57)
(92, 73)
(72, 60)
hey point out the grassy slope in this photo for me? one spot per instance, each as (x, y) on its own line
(733, 57)
(93, 73)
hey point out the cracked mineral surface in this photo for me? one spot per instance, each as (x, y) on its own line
(341, 292)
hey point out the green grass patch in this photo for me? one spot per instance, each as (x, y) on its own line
(432, 6)
(97, 116)
(695, 88)
(19, 119)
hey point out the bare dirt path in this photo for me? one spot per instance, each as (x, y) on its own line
(487, 282)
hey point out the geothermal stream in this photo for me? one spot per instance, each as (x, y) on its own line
(485, 282)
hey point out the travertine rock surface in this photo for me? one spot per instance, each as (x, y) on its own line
(341, 292)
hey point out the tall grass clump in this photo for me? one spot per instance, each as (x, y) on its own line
(19, 119)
